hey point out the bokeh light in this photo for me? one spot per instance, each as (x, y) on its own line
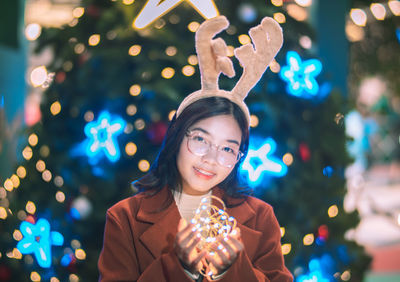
(167, 73)
(55, 108)
(358, 16)
(286, 248)
(193, 26)
(192, 59)
(244, 39)
(254, 121)
(171, 51)
(21, 172)
(188, 70)
(394, 6)
(303, 3)
(27, 153)
(277, 3)
(308, 239)
(94, 39)
(144, 165)
(30, 207)
(33, 139)
(60, 196)
(333, 211)
(298, 13)
(280, 18)
(135, 90)
(33, 31)
(131, 110)
(130, 149)
(287, 159)
(40, 165)
(38, 76)
(78, 12)
(135, 50)
(46, 175)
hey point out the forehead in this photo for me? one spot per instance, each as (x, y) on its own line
(222, 127)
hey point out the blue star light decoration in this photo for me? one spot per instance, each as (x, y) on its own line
(316, 273)
(102, 136)
(300, 76)
(259, 162)
(38, 239)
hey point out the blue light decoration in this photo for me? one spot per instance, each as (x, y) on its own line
(300, 76)
(102, 136)
(38, 240)
(259, 162)
(398, 33)
(316, 273)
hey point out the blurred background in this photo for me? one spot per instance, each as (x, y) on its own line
(86, 94)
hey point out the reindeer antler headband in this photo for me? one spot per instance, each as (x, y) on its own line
(212, 56)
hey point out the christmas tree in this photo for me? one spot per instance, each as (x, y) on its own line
(111, 90)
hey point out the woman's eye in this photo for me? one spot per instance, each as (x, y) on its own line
(228, 150)
(199, 139)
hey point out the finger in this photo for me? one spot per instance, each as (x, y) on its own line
(193, 243)
(235, 233)
(215, 263)
(222, 253)
(236, 243)
(188, 238)
(196, 261)
(229, 248)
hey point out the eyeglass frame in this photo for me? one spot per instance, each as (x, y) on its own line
(189, 134)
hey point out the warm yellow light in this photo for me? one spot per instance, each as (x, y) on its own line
(78, 12)
(33, 139)
(135, 90)
(40, 165)
(128, 2)
(88, 116)
(167, 73)
(27, 153)
(188, 70)
(15, 180)
(193, 26)
(3, 213)
(8, 185)
(254, 121)
(171, 114)
(44, 151)
(244, 39)
(21, 172)
(58, 181)
(287, 159)
(17, 235)
(33, 31)
(55, 108)
(3, 193)
(94, 39)
(79, 48)
(345, 275)
(378, 10)
(131, 110)
(144, 165)
(140, 124)
(283, 230)
(333, 211)
(73, 278)
(280, 18)
(17, 254)
(277, 2)
(135, 50)
(308, 239)
(54, 279)
(274, 66)
(35, 276)
(130, 149)
(298, 13)
(354, 32)
(46, 175)
(305, 42)
(171, 51)
(394, 6)
(304, 3)
(38, 76)
(231, 51)
(286, 248)
(80, 254)
(60, 196)
(30, 207)
(192, 59)
(358, 16)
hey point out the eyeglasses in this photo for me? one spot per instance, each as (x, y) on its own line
(198, 145)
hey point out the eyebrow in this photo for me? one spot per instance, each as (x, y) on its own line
(206, 132)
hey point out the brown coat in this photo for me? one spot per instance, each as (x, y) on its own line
(138, 244)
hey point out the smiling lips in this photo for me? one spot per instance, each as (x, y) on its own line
(203, 173)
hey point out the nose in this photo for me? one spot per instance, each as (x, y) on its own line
(211, 156)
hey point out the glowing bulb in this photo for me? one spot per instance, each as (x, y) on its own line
(286, 248)
(358, 16)
(193, 26)
(73, 278)
(333, 211)
(38, 76)
(55, 108)
(78, 12)
(3, 213)
(277, 2)
(128, 2)
(354, 32)
(135, 50)
(254, 121)
(192, 59)
(40, 165)
(44, 151)
(378, 10)
(17, 235)
(244, 39)
(35, 276)
(33, 31)
(140, 124)
(305, 42)
(80, 254)
(304, 3)
(144, 165)
(308, 239)
(298, 13)
(171, 114)
(79, 48)
(131, 110)
(135, 90)
(274, 66)
(88, 116)
(188, 70)
(33, 139)
(167, 73)
(54, 279)
(283, 230)
(30, 207)
(280, 18)
(15, 180)
(287, 159)
(171, 51)
(60, 197)
(58, 181)
(8, 185)
(46, 175)
(21, 172)
(130, 149)
(94, 39)
(345, 275)
(394, 6)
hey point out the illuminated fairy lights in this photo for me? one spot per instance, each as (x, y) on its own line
(300, 76)
(38, 239)
(154, 9)
(102, 136)
(264, 163)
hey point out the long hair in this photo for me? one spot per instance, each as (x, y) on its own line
(164, 170)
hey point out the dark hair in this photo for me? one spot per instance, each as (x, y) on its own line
(164, 170)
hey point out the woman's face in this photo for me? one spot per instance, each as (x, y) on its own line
(199, 174)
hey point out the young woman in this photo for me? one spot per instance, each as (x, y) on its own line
(145, 238)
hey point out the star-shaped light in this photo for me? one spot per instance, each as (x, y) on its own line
(38, 240)
(102, 136)
(300, 76)
(156, 8)
(263, 161)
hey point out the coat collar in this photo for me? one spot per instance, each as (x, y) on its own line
(159, 237)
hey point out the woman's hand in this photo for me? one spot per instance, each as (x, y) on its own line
(227, 251)
(185, 247)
